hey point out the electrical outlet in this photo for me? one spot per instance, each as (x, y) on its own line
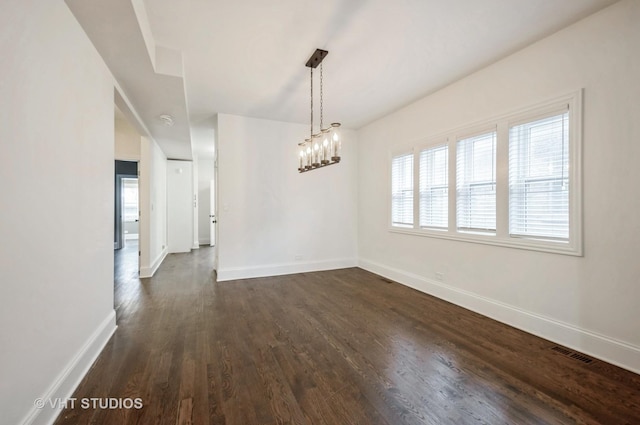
(440, 276)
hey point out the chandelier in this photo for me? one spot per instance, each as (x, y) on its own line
(322, 148)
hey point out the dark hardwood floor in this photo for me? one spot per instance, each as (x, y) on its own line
(336, 347)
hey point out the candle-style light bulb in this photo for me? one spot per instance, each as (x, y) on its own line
(301, 160)
(335, 145)
(325, 151)
(316, 149)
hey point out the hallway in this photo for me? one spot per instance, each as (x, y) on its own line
(126, 279)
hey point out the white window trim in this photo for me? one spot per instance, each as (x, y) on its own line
(502, 123)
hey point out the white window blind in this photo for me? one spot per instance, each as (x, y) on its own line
(402, 190)
(539, 178)
(476, 183)
(434, 187)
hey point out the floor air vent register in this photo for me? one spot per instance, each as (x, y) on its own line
(572, 354)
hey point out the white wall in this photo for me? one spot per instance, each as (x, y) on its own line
(205, 175)
(127, 141)
(153, 207)
(589, 303)
(56, 222)
(273, 220)
(180, 205)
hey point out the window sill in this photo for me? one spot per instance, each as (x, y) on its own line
(564, 248)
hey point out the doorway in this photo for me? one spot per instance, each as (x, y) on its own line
(126, 203)
(130, 215)
(127, 221)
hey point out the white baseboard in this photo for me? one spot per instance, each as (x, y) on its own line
(69, 379)
(149, 271)
(600, 346)
(282, 269)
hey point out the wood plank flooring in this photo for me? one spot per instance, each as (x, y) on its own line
(336, 347)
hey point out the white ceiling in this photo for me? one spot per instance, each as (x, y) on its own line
(196, 58)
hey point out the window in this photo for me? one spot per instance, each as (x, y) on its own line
(516, 181)
(539, 178)
(130, 199)
(434, 187)
(402, 190)
(476, 183)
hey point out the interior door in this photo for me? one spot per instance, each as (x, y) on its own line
(212, 214)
